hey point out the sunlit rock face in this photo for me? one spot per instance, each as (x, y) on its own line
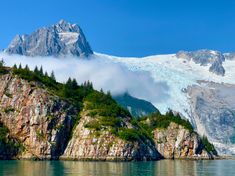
(177, 142)
(60, 39)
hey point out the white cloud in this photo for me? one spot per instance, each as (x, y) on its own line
(102, 73)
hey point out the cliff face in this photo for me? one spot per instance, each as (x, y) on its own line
(178, 142)
(103, 145)
(42, 122)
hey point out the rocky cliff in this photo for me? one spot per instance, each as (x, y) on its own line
(177, 142)
(40, 121)
(90, 144)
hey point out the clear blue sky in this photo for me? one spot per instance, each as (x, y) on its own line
(129, 27)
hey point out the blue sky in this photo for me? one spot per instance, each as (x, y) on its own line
(129, 27)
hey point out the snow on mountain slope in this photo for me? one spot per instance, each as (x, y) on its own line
(178, 73)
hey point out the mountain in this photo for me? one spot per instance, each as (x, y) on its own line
(43, 119)
(209, 106)
(60, 39)
(137, 107)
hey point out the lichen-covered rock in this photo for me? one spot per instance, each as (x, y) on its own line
(177, 142)
(42, 122)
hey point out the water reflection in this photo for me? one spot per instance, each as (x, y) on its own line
(161, 168)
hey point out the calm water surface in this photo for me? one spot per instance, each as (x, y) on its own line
(161, 168)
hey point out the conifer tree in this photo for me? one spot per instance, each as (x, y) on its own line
(41, 71)
(26, 67)
(14, 66)
(74, 84)
(46, 74)
(52, 76)
(36, 69)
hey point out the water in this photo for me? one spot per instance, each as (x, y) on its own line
(161, 168)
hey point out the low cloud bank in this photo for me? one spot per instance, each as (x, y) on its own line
(102, 73)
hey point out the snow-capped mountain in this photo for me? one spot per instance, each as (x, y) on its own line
(205, 98)
(62, 38)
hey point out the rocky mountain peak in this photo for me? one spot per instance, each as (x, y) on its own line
(64, 26)
(60, 39)
(205, 57)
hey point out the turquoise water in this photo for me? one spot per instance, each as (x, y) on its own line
(161, 168)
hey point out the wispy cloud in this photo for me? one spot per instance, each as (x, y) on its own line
(103, 74)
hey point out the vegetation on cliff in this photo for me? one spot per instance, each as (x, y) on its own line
(9, 146)
(157, 120)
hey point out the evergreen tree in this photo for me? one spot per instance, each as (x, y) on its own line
(101, 91)
(26, 67)
(15, 66)
(52, 76)
(36, 69)
(20, 66)
(46, 74)
(74, 84)
(41, 71)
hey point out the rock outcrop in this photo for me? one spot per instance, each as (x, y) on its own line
(205, 57)
(91, 144)
(60, 39)
(176, 142)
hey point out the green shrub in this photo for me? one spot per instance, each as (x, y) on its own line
(94, 124)
(128, 134)
(158, 120)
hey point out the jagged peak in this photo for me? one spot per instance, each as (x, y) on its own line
(64, 26)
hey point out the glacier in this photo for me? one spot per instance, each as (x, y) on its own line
(180, 74)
